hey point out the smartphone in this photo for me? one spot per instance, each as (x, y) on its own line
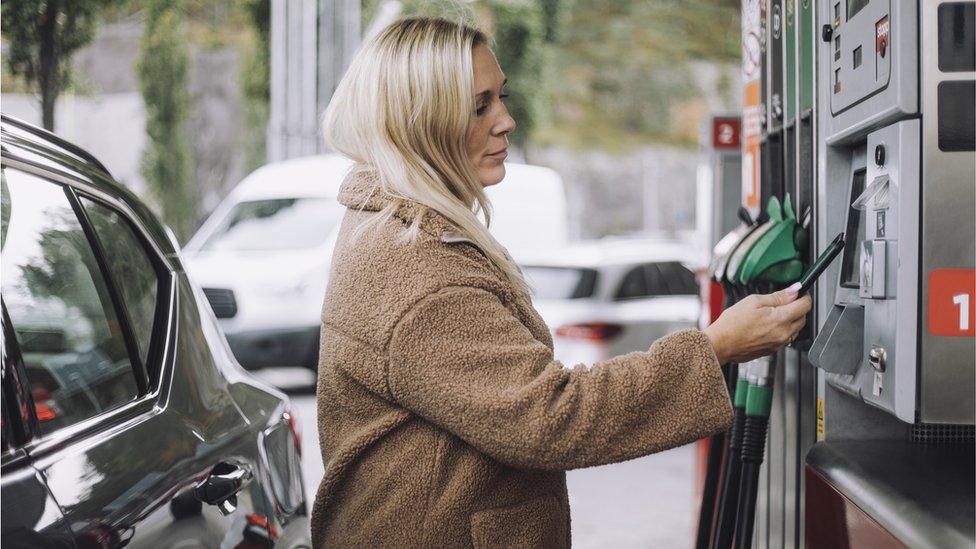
(820, 265)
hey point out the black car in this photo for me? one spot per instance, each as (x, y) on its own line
(126, 420)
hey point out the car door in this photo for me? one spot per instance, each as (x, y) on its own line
(93, 310)
(30, 517)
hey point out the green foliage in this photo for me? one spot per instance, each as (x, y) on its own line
(552, 12)
(518, 45)
(448, 9)
(167, 164)
(42, 36)
(256, 82)
(622, 67)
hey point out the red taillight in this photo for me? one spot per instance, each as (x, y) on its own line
(593, 331)
(262, 521)
(41, 397)
(44, 412)
(293, 427)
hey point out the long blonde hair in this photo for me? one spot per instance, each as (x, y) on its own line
(402, 112)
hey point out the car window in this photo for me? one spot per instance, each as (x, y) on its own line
(657, 282)
(657, 279)
(131, 268)
(560, 282)
(680, 279)
(59, 306)
(633, 285)
(276, 224)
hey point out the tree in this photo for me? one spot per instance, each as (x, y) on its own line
(166, 163)
(621, 66)
(42, 37)
(518, 44)
(256, 80)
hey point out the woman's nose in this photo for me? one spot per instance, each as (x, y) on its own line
(505, 124)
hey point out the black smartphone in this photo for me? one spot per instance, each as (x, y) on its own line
(820, 265)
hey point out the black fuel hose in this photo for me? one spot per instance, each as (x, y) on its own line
(724, 527)
(758, 404)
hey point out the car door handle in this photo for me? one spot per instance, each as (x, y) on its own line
(222, 485)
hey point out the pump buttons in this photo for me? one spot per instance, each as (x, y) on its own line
(879, 155)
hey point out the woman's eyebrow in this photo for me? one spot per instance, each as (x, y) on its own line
(487, 93)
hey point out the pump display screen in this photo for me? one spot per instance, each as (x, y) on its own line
(854, 6)
(849, 274)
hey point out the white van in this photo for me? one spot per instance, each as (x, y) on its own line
(262, 257)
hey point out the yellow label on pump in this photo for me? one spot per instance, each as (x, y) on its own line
(820, 419)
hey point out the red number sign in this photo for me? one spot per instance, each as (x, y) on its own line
(952, 302)
(725, 133)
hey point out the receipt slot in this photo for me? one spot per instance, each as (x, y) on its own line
(897, 196)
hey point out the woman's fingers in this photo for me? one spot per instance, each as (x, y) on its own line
(797, 309)
(780, 298)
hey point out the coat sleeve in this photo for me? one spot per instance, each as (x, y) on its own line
(460, 359)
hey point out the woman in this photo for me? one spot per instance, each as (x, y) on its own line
(444, 420)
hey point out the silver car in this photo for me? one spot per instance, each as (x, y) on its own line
(605, 298)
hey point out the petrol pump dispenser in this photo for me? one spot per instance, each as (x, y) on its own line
(863, 111)
(906, 213)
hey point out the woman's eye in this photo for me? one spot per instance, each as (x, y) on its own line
(503, 96)
(481, 110)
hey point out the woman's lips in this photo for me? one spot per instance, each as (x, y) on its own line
(500, 154)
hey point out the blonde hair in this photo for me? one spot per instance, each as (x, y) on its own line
(402, 113)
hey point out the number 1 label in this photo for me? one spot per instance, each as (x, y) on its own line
(962, 300)
(952, 304)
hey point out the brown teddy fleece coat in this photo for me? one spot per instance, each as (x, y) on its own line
(444, 420)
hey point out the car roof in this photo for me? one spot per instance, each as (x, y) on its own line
(617, 252)
(38, 149)
(31, 142)
(309, 176)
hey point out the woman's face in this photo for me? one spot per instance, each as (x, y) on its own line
(487, 142)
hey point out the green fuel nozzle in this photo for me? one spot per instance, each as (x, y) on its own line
(775, 257)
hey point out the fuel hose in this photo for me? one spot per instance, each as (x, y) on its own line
(759, 399)
(724, 527)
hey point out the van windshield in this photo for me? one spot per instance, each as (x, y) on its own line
(276, 224)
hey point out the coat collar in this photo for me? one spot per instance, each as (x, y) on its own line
(362, 191)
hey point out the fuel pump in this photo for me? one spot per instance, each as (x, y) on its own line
(895, 158)
(861, 110)
(875, 345)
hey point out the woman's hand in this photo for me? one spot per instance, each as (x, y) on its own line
(759, 325)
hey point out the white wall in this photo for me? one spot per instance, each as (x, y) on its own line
(110, 126)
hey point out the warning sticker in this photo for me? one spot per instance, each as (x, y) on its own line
(882, 36)
(820, 419)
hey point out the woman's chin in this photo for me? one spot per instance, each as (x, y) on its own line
(492, 175)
